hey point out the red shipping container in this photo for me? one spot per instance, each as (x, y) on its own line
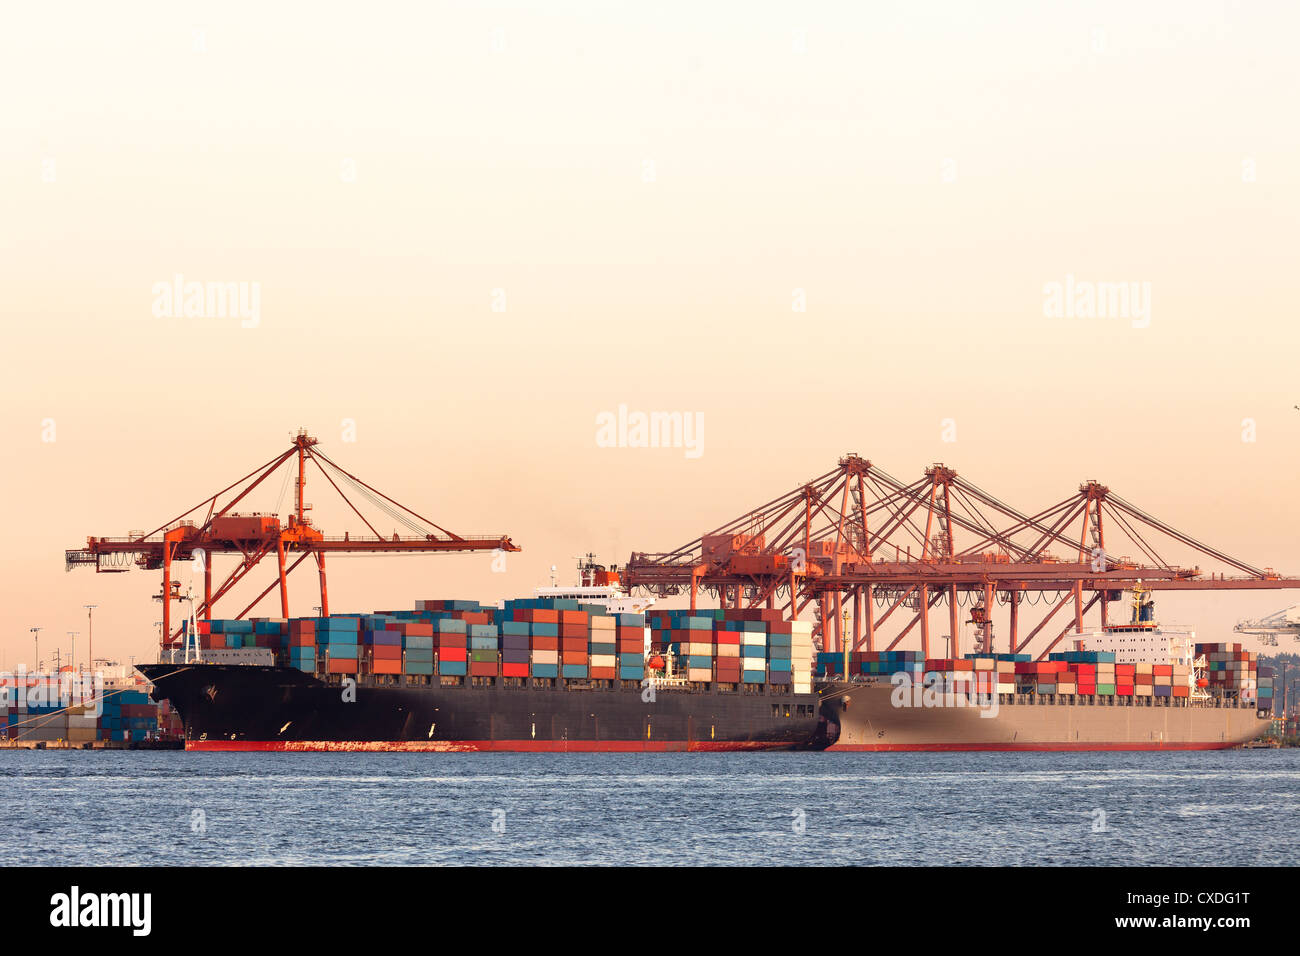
(726, 637)
(629, 646)
(573, 630)
(1087, 688)
(622, 632)
(205, 627)
(573, 617)
(453, 654)
(302, 640)
(387, 667)
(1182, 690)
(603, 673)
(543, 643)
(1124, 690)
(573, 644)
(482, 669)
(387, 652)
(337, 665)
(544, 616)
(514, 670)
(573, 657)
(453, 640)
(415, 628)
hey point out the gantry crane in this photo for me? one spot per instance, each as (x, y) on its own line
(858, 535)
(1283, 623)
(254, 536)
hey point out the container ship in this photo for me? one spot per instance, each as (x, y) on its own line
(1131, 686)
(591, 668)
(571, 669)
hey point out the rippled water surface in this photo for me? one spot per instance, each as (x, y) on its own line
(1214, 808)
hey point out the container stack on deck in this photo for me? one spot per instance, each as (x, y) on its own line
(1265, 689)
(538, 638)
(747, 646)
(1232, 671)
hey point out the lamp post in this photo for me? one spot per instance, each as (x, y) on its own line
(90, 636)
(37, 632)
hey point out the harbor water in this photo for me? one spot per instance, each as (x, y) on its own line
(1238, 807)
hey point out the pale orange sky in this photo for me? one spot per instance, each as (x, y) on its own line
(921, 172)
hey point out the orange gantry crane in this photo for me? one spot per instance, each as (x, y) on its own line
(254, 536)
(858, 536)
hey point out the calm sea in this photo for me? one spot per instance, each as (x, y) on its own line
(1214, 808)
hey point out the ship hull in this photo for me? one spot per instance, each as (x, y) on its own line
(876, 717)
(254, 708)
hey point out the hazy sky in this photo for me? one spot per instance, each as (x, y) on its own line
(471, 229)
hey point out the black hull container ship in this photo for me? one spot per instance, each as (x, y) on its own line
(250, 707)
(572, 669)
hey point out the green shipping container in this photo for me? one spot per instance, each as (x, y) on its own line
(483, 657)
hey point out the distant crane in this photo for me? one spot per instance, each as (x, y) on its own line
(1283, 623)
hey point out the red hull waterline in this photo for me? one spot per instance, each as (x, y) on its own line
(470, 746)
(1039, 748)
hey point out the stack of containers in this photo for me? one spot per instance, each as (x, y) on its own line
(603, 646)
(127, 715)
(417, 647)
(1144, 679)
(780, 651)
(726, 642)
(1265, 691)
(270, 632)
(337, 638)
(515, 648)
(1233, 672)
(452, 637)
(629, 636)
(484, 650)
(693, 635)
(993, 674)
(801, 655)
(575, 639)
(753, 657)
(1125, 680)
(237, 633)
(544, 641)
(1040, 677)
(381, 644)
(302, 645)
(951, 675)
